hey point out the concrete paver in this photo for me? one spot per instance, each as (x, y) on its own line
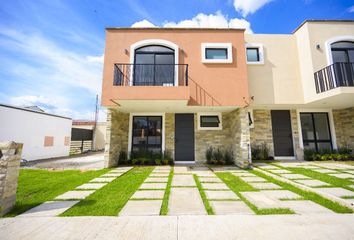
(99, 179)
(243, 174)
(323, 170)
(294, 176)
(183, 180)
(261, 200)
(265, 185)
(230, 207)
(279, 171)
(141, 208)
(114, 175)
(306, 207)
(210, 179)
(268, 167)
(75, 195)
(281, 194)
(160, 180)
(159, 175)
(49, 209)
(91, 186)
(312, 182)
(185, 201)
(153, 186)
(219, 195)
(215, 186)
(152, 194)
(342, 175)
(253, 179)
(337, 191)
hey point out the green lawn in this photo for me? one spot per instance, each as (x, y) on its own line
(237, 185)
(109, 200)
(206, 203)
(38, 186)
(307, 195)
(166, 197)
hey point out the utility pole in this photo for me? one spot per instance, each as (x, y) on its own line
(95, 125)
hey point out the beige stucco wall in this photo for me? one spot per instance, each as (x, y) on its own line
(277, 81)
(312, 59)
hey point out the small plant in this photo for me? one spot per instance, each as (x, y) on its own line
(341, 154)
(228, 157)
(209, 155)
(135, 161)
(260, 152)
(158, 161)
(217, 156)
(122, 159)
(167, 157)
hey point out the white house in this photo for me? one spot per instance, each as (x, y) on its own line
(43, 135)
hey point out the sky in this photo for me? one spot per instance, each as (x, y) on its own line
(51, 51)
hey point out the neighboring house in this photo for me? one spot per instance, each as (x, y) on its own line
(184, 90)
(43, 135)
(96, 133)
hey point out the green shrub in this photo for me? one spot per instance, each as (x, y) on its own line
(341, 154)
(167, 157)
(217, 156)
(228, 157)
(158, 161)
(209, 155)
(260, 152)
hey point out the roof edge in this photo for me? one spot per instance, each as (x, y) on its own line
(321, 20)
(177, 28)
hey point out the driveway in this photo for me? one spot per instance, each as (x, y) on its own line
(238, 227)
(83, 162)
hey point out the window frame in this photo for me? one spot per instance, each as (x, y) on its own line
(258, 46)
(226, 46)
(199, 119)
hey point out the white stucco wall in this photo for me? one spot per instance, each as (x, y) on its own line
(30, 128)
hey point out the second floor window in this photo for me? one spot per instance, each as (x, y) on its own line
(343, 52)
(216, 53)
(154, 65)
(252, 54)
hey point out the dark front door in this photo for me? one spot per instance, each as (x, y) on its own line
(184, 137)
(282, 134)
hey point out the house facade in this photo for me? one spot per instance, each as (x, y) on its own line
(185, 90)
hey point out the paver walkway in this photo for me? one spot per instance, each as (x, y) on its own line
(57, 207)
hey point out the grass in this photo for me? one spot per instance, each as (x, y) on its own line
(38, 186)
(336, 207)
(166, 197)
(237, 185)
(206, 203)
(334, 181)
(109, 200)
(349, 162)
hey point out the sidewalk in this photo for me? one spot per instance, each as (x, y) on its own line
(274, 227)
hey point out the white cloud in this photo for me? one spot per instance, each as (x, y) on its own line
(217, 20)
(95, 59)
(246, 7)
(143, 24)
(351, 9)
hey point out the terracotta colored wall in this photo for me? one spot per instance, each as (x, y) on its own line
(209, 84)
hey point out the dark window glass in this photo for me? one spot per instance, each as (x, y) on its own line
(216, 53)
(209, 121)
(147, 133)
(153, 48)
(252, 55)
(343, 51)
(316, 133)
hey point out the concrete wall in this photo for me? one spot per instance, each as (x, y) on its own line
(277, 81)
(100, 140)
(31, 128)
(344, 127)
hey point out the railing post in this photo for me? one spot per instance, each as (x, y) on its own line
(186, 74)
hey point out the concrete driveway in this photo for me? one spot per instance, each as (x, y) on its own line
(274, 227)
(83, 162)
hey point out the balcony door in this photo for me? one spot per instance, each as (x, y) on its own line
(343, 60)
(154, 65)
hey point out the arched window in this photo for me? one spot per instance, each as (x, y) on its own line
(154, 65)
(342, 51)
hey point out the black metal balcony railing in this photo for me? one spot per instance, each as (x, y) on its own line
(150, 74)
(340, 74)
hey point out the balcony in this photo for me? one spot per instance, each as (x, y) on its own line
(165, 75)
(340, 74)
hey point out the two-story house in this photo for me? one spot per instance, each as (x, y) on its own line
(184, 90)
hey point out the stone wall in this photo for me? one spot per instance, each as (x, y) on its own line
(212, 138)
(170, 133)
(116, 136)
(10, 156)
(299, 154)
(240, 137)
(344, 127)
(262, 131)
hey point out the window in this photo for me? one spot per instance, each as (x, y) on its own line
(210, 121)
(342, 51)
(315, 130)
(254, 53)
(147, 134)
(216, 52)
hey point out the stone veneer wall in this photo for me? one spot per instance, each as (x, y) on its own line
(116, 136)
(240, 137)
(170, 133)
(262, 131)
(344, 127)
(211, 138)
(10, 156)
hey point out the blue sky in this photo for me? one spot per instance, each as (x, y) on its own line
(51, 52)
